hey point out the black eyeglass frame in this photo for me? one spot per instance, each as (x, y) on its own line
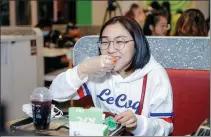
(125, 42)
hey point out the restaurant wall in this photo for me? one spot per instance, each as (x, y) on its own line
(91, 13)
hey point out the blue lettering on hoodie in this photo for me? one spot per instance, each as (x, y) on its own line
(120, 101)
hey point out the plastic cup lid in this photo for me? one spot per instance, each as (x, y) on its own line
(41, 94)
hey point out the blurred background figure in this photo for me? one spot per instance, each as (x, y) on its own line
(155, 6)
(167, 8)
(191, 23)
(70, 37)
(134, 12)
(111, 10)
(50, 36)
(68, 40)
(73, 32)
(155, 14)
(156, 24)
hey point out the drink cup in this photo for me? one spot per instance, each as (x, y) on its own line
(41, 108)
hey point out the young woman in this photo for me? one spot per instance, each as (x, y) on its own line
(156, 24)
(135, 87)
(134, 12)
(191, 23)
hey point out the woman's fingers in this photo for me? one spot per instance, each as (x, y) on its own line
(129, 122)
(107, 57)
(122, 117)
(124, 120)
(107, 64)
(131, 125)
(110, 58)
(118, 117)
(127, 119)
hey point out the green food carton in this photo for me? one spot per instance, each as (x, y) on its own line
(87, 122)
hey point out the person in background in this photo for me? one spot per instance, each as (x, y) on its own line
(132, 84)
(71, 36)
(191, 23)
(50, 36)
(167, 8)
(134, 12)
(155, 6)
(156, 24)
(72, 31)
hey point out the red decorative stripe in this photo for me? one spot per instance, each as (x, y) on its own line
(142, 95)
(81, 92)
(169, 119)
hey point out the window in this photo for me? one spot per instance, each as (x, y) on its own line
(45, 10)
(4, 13)
(23, 12)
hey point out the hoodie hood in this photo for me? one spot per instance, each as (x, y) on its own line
(139, 73)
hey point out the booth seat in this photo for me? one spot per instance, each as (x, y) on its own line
(191, 99)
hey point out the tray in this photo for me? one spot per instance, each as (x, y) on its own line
(58, 127)
(26, 126)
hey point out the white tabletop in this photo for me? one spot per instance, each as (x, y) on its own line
(55, 52)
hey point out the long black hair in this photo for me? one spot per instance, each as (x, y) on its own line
(153, 19)
(142, 50)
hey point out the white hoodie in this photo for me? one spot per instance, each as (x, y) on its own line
(114, 94)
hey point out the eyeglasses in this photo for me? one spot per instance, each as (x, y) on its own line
(165, 26)
(118, 42)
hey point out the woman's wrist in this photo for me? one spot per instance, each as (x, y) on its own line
(82, 71)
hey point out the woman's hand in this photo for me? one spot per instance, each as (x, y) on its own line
(127, 119)
(96, 64)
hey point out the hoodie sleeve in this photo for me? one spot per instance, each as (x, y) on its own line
(68, 85)
(159, 120)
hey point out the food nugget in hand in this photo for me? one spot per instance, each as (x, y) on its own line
(114, 59)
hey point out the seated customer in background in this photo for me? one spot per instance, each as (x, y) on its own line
(156, 24)
(118, 79)
(69, 39)
(191, 23)
(167, 8)
(50, 36)
(71, 35)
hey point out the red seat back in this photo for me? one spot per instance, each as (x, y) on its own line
(191, 98)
